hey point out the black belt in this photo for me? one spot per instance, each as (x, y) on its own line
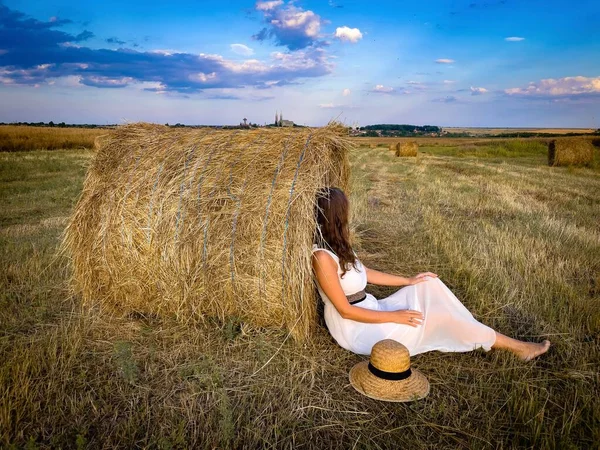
(356, 298)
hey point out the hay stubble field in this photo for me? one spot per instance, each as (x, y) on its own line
(516, 240)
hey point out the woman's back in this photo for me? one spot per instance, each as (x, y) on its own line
(353, 281)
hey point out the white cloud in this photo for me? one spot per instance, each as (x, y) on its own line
(383, 89)
(514, 39)
(241, 49)
(326, 106)
(106, 82)
(346, 92)
(203, 77)
(3, 52)
(69, 45)
(6, 80)
(167, 52)
(478, 90)
(550, 87)
(267, 6)
(250, 66)
(444, 61)
(31, 77)
(153, 86)
(291, 26)
(305, 20)
(449, 81)
(348, 34)
(70, 81)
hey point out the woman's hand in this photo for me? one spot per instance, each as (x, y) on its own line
(409, 317)
(421, 277)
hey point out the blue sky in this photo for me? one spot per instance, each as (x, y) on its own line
(505, 63)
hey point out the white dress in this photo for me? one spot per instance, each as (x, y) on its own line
(447, 326)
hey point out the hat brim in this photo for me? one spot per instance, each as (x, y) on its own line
(413, 388)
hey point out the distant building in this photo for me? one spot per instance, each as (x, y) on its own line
(280, 122)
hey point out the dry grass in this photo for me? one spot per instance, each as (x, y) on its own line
(197, 223)
(570, 152)
(22, 138)
(516, 240)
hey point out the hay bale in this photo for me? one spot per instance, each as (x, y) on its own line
(99, 141)
(570, 151)
(204, 222)
(596, 142)
(407, 148)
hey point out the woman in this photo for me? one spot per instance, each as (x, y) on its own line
(425, 315)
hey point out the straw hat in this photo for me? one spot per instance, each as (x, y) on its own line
(388, 376)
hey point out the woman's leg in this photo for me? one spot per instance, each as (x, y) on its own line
(448, 325)
(524, 350)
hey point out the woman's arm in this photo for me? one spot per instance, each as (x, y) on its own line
(387, 279)
(325, 269)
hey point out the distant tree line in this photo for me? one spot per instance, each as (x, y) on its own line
(399, 130)
(406, 130)
(404, 127)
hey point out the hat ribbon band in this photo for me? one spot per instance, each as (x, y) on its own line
(393, 376)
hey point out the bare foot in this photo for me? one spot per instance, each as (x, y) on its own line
(530, 350)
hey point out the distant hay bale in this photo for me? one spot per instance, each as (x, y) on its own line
(596, 142)
(407, 148)
(204, 222)
(570, 151)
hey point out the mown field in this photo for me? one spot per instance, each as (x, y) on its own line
(516, 240)
(479, 131)
(456, 144)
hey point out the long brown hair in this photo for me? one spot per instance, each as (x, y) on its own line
(332, 222)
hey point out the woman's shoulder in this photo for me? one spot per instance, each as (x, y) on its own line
(316, 248)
